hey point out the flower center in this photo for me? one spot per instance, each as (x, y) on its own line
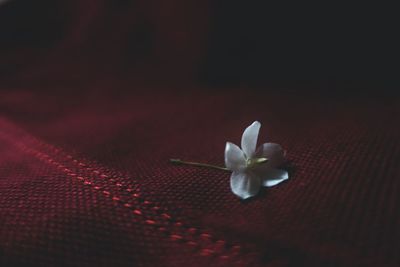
(251, 162)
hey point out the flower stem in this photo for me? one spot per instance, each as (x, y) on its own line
(181, 162)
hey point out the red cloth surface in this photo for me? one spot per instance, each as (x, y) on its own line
(85, 179)
(92, 107)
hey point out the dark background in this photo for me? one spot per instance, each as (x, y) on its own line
(330, 46)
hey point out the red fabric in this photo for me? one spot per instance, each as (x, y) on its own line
(92, 107)
(85, 179)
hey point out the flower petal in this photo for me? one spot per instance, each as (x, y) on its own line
(273, 152)
(249, 139)
(274, 177)
(234, 157)
(244, 185)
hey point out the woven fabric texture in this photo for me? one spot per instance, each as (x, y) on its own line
(85, 179)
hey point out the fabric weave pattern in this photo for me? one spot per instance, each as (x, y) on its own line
(86, 181)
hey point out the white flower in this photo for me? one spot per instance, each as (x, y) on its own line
(253, 168)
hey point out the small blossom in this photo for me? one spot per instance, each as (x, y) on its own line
(252, 168)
